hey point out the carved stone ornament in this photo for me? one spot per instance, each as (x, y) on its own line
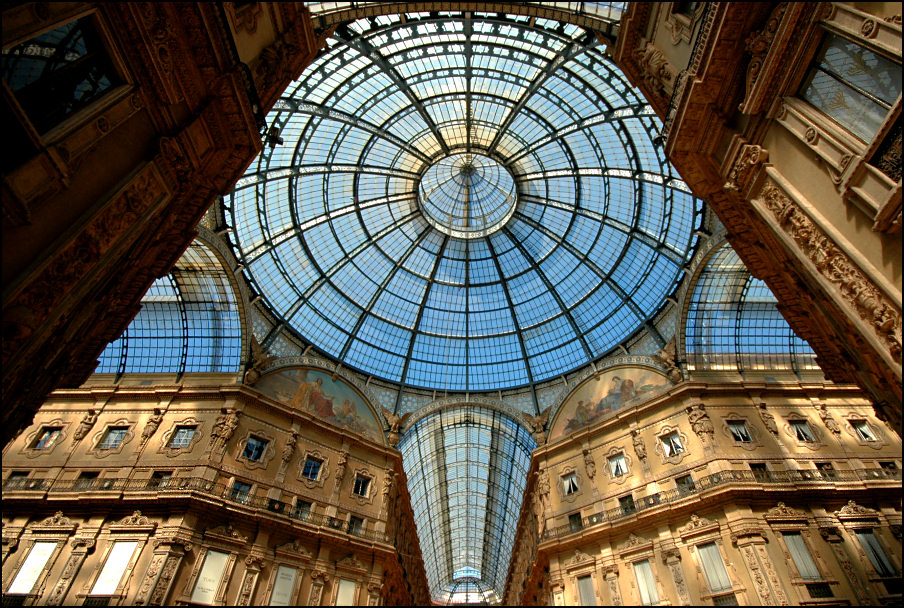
(658, 73)
(579, 557)
(295, 546)
(85, 425)
(352, 561)
(589, 464)
(768, 419)
(758, 45)
(151, 426)
(852, 509)
(856, 289)
(743, 169)
(666, 356)
(640, 448)
(260, 358)
(133, 521)
(780, 511)
(634, 541)
(827, 419)
(537, 425)
(700, 423)
(227, 532)
(696, 525)
(320, 576)
(57, 520)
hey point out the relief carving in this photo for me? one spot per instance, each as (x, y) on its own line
(743, 169)
(827, 419)
(260, 358)
(151, 426)
(856, 289)
(223, 429)
(589, 464)
(758, 45)
(701, 423)
(666, 356)
(84, 427)
(658, 73)
(537, 425)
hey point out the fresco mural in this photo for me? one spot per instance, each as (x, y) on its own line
(604, 394)
(315, 391)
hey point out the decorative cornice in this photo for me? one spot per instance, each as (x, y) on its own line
(858, 292)
(854, 511)
(784, 513)
(226, 533)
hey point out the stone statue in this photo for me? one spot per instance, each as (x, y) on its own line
(700, 422)
(827, 418)
(538, 424)
(396, 423)
(289, 449)
(340, 467)
(666, 356)
(85, 425)
(151, 425)
(223, 428)
(640, 447)
(768, 420)
(589, 464)
(260, 358)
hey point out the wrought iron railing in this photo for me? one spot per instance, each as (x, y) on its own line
(183, 485)
(723, 478)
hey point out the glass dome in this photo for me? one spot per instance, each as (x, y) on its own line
(463, 202)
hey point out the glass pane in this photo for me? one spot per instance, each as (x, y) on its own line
(283, 587)
(30, 571)
(801, 556)
(115, 566)
(714, 568)
(649, 596)
(209, 578)
(585, 588)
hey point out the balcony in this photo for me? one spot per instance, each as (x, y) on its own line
(181, 487)
(771, 480)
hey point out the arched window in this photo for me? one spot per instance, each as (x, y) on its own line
(733, 323)
(189, 322)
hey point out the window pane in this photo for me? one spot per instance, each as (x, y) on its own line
(114, 568)
(30, 571)
(876, 554)
(646, 584)
(283, 587)
(346, 594)
(209, 579)
(801, 556)
(714, 568)
(585, 588)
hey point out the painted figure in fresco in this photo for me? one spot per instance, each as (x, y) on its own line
(624, 388)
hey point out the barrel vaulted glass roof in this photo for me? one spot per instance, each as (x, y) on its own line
(344, 233)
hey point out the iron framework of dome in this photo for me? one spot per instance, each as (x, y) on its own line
(340, 232)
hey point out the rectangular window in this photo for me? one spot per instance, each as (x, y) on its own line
(182, 436)
(802, 430)
(617, 465)
(875, 553)
(283, 587)
(728, 599)
(59, 72)
(575, 523)
(47, 438)
(888, 466)
(863, 431)
(113, 437)
(355, 525)
(117, 562)
(826, 469)
(209, 578)
(819, 590)
(311, 468)
(852, 85)
(626, 503)
(801, 556)
(254, 448)
(714, 568)
(345, 596)
(646, 584)
(671, 444)
(585, 590)
(86, 480)
(302, 510)
(362, 485)
(759, 471)
(239, 491)
(570, 483)
(160, 479)
(685, 483)
(30, 571)
(739, 431)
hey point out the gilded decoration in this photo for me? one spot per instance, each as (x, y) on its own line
(601, 396)
(833, 264)
(327, 397)
(167, 450)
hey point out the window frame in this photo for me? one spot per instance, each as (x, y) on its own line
(257, 451)
(36, 444)
(367, 482)
(240, 497)
(103, 443)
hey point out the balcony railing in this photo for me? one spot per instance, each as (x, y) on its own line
(183, 485)
(724, 478)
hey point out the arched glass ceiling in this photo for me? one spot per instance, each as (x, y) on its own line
(188, 322)
(467, 470)
(733, 323)
(331, 232)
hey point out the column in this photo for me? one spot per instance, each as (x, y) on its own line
(161, 571)
(319, 578)
(751, 544)
(672, 558)
(80, 548)
(611, 574)
(249, 582)
(833, 537)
